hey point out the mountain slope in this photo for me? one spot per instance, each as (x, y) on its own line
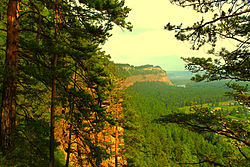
(161, 145)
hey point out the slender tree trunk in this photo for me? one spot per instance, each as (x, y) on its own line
(8, 109)
(116, 138)
(69, 146)
(53, 96)
(116, 146)
(71, 124)
(52, 114)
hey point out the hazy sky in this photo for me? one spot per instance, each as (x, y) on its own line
(149, 43)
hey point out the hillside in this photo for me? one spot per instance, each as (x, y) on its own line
(161, 145)
(145, 73)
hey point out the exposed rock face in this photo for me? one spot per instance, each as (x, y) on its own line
(144, 74)
(162, 77)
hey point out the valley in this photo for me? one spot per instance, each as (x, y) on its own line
(122, 83)
(153, 144)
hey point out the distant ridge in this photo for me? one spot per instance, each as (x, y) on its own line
(180, 74)
(145, 73)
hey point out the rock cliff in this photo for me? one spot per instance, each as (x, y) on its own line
(144, 73)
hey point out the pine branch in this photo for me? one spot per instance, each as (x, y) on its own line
(33, 59)
(39, 22)
(220, 132)
(242, 153)
(198, 3)
(34, 31)
(3, 30)
(239, 40)
(195, 125)
(219, 18)
(210, 22)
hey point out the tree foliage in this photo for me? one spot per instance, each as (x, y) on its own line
(230, 21)
(72, 31)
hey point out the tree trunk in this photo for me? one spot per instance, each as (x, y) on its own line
(71, 124)
(116, 137)
(53, 96)
(52, 114)
(116, 146)
(8, 109)
(69, 146)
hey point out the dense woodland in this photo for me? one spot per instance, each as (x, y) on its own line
(56, 82)
(62, 102)
(169, 145)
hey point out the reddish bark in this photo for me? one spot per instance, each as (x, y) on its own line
(8, 110)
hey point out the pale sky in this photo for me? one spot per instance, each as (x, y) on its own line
(149, 43)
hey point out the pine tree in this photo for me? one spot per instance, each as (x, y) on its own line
(80, 32)
(231, 22)
(8, 107)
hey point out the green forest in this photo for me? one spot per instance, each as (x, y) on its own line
(168, 144)
(64, 102)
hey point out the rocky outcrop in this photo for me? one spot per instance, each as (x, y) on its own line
(163, 77)
(145, 73)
